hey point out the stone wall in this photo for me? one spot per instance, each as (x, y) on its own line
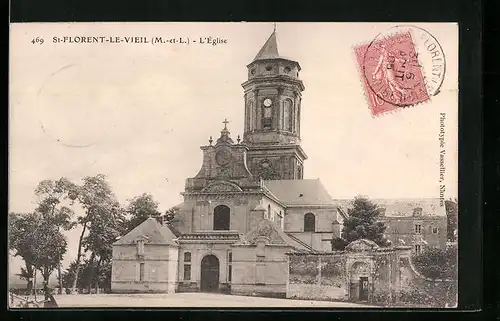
(318, 277)
(160, 269)
(294, 218)
(386, 278)
(267, 203)
(260, 274)
(417, 290)
(363, 272)
(320, 240)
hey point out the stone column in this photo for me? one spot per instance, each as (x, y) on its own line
(247, 113)
(257, 122)
(279, 109)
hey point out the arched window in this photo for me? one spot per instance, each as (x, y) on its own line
(287, 115)
(222, 216)
(267, 117)
(268, 211)
(309, 222)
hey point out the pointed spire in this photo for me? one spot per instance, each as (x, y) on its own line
(270, 48)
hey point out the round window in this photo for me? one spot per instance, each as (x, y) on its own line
(269, 68)
(287, 69)
(252, 71)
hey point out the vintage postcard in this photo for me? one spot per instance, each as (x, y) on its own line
(233, 165)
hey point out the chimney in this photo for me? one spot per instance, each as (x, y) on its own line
(417, 211)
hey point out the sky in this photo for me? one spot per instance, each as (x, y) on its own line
(138, 113)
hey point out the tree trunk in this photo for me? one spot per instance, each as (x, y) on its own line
(78, 257)
(59, 273)
(46, 276)
(34, 283)
(29, 286)
(97, 274)
(91, 272)
(29, 271)
(60, 278)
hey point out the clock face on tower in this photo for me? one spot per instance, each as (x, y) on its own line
(223, 157)
(268, 102)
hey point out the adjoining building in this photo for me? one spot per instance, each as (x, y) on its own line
(418, 223)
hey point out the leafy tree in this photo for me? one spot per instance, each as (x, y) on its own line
(170, 219)
(51, 196)
(27, 274)
(49, 245)
(452, 219)
(362, 223)
(38, 242)
(22, 226)
(144, 206)
(68, 276)
(139, 209)
(103, 278)
(98, 200)
(437, 263)
(104, 230)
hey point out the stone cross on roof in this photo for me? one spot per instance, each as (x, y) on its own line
(225, 122)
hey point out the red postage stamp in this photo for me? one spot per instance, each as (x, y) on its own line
(391, 72)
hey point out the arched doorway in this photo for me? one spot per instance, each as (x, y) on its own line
(360, 283)
(210, 274)
(222, 218)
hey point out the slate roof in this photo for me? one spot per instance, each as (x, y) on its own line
(271, 230)
(299, 192)
(401, 207)
(152, 231)
(269, 50)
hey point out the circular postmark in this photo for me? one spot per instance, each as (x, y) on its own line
(72, 103)
(403, 66)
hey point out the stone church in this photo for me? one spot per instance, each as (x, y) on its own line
(246, 208)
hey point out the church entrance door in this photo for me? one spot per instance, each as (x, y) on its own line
(210, 274)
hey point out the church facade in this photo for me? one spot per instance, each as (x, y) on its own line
(246, 208)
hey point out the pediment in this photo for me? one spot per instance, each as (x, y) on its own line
(223, 186)
(362, 245)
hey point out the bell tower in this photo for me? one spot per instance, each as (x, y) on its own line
(273, 94)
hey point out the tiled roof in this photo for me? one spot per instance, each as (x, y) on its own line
(401, 207)
(152, 231)
(299, 192)
(269, 50)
